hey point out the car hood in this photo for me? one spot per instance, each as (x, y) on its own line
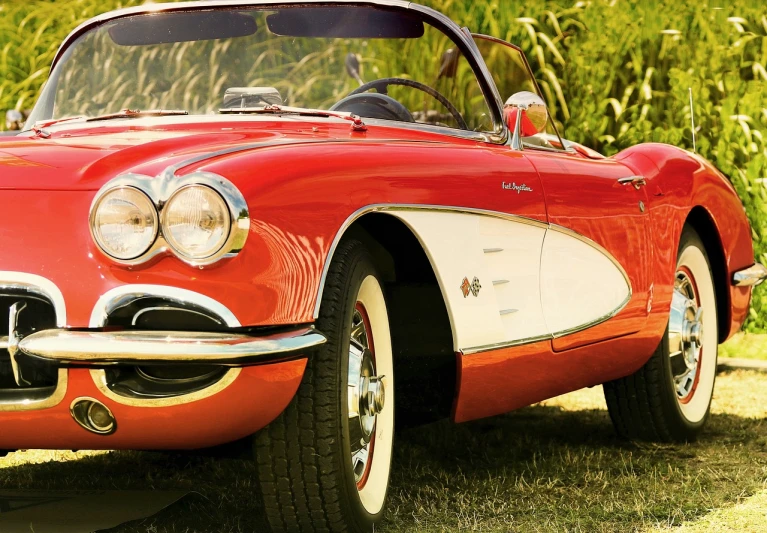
(84, 157)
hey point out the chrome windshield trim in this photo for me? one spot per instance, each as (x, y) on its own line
(750, 277)
(134, 347)
(439, 20)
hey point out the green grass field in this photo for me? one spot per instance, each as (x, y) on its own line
(745, 346)
(553, 467)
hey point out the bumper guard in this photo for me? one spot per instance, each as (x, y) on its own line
(750, 276)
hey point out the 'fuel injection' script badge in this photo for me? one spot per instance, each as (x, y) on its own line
(514, 187)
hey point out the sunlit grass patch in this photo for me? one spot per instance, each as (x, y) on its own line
(556, 466)
(745, 346)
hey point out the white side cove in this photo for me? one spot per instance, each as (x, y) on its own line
(504, 255)
(581, 284)
(537, 281)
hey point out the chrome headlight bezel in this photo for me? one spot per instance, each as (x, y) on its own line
(159, 190)
(97, 233)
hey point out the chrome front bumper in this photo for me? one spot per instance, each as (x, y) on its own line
(96, 348)
(750, 276)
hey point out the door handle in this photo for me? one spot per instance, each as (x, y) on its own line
(636, 181)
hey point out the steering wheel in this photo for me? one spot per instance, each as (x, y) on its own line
(381, 87)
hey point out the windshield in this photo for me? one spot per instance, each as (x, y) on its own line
(211, 61)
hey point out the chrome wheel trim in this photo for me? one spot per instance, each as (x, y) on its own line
(365, 394)
(370, 388)
(685, 335)
(695, 406)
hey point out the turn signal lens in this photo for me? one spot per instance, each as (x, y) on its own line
(124, 223)
(196, 222)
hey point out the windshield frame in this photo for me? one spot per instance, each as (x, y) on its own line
(461, 37)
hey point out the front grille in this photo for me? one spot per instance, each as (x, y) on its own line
(35, 313)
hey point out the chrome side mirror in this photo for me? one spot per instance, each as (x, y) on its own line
(526, 115)
(14, 120)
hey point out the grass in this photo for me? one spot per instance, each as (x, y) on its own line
(745, 346)
(556, 466)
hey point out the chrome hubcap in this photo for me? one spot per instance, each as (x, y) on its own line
(365, 395)
(685, 332)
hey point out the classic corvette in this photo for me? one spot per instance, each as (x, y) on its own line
(290, 221)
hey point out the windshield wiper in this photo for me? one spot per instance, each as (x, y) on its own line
(357, 123)
(137, 113)
(40, 127)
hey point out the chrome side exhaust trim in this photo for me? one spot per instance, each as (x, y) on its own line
(93, 415)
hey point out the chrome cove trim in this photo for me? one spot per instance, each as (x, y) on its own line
(35, 399)
(91, 348)
(608, 255)
(501, 345)
(125, 295)
(596, 321)
(159, 190)
(382, 208)
(750, 277)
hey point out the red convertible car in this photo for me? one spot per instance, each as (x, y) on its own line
(290, 221)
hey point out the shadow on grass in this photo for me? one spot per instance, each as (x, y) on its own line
(538, 469)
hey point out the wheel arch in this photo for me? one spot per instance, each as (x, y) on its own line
(703, 224)
(422, 334)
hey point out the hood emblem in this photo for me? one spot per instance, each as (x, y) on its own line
(472, 287)
(514, 187)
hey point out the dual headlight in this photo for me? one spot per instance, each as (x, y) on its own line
(203, 218)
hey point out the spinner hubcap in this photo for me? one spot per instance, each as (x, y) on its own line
(685, 335)
(366, 396)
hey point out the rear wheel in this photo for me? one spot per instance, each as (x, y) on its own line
(324, 464)
(669, 398)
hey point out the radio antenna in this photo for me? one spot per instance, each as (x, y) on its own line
(692, 120)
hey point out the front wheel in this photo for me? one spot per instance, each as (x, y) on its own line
(324, 464)
(669, 398)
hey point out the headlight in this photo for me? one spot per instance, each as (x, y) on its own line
(124, 223)
(196, 222)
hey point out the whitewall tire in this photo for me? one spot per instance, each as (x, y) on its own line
(324, 464)
(669, 398)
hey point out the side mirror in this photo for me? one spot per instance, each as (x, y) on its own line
(352, 64)
(526, 115)
(14, 120)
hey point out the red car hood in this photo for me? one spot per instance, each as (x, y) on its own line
(84, 157)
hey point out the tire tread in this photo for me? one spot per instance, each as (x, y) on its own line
(298, 461)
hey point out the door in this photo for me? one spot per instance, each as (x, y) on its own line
(599, 200)
(595, 264)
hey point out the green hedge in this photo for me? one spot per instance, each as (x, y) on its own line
(615, 73)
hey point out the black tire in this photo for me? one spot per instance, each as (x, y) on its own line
(646, 404)
(305, 474)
